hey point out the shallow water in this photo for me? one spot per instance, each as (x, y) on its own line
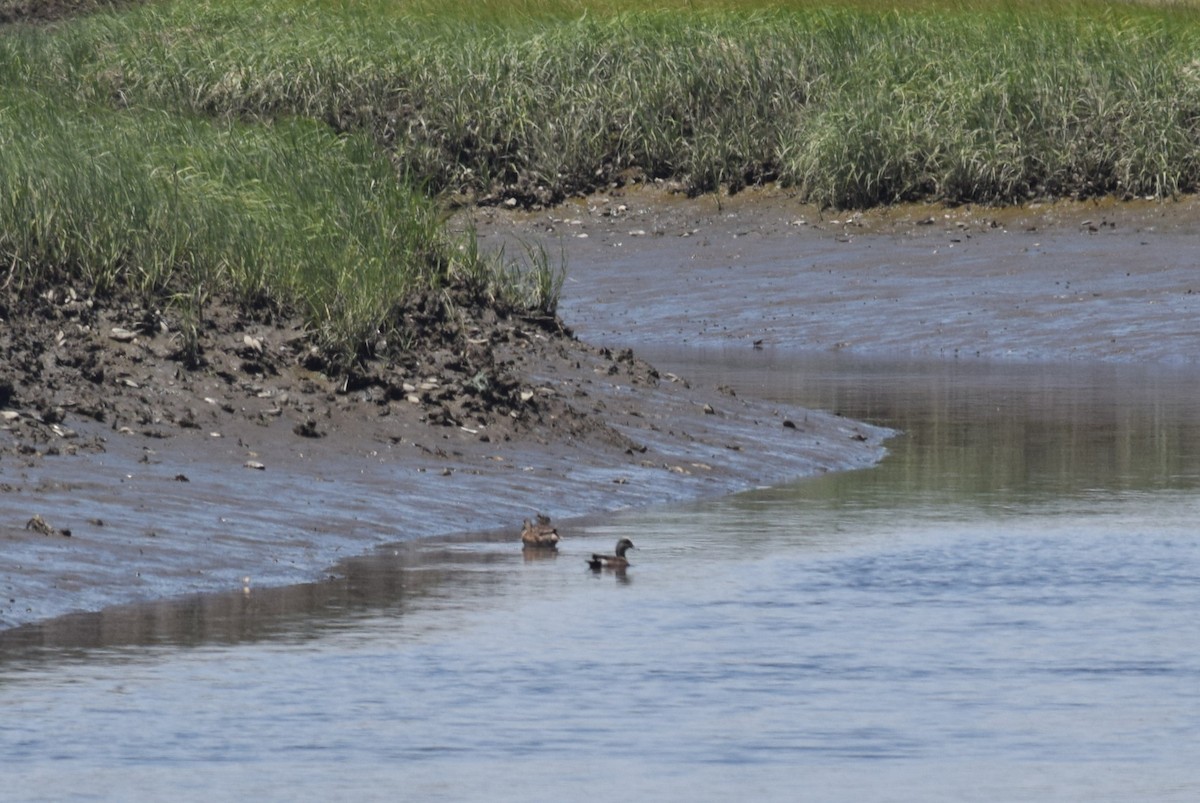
(1003, 610)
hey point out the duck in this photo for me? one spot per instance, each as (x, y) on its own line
(540, 535)
(617, 561)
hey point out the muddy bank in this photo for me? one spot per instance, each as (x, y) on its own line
(126, 475)
(255, 470)
(1095, 280)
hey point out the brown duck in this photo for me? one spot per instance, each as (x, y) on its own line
(617, 561)
(539, 535)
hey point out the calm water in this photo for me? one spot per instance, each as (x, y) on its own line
(1006, 609)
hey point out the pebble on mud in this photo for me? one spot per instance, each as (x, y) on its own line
(308, 429)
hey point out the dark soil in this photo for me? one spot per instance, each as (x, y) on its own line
(66, 356)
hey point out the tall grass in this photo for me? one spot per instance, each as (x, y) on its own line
(851, 104)
(173, 207)
(184, 149)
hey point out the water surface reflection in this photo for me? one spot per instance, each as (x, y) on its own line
(1003, 610)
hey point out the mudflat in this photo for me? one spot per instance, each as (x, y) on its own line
(256, 469)
(1048, 281)
(128, 475)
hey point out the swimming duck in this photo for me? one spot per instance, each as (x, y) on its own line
(617, 561)
(540, 535)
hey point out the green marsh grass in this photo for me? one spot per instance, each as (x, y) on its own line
(265, 126)
(853, 104)
(174, 207)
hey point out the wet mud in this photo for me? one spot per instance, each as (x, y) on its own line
(261, 472)
(1053, 281)
(148, 478)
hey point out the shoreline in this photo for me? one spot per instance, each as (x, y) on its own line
(1049, 281)
(165, 498)
(282, 477)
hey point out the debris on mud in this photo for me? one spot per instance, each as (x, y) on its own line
(40, 525)
(480, 371)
